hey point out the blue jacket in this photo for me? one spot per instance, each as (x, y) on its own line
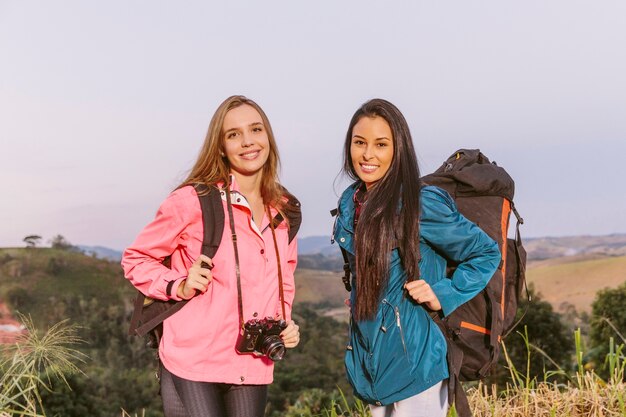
(402, 352)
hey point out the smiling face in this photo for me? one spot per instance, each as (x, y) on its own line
(371, 149)
(245, 141)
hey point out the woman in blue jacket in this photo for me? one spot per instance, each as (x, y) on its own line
(394, 231)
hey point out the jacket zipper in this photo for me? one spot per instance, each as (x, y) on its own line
(397, 311)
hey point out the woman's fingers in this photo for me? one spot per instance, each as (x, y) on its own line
(198, 282)
(201, 267)
(198, 277)
(291, 335)
(205, 262)
(203, 259)
(422, 293)
(418, 290)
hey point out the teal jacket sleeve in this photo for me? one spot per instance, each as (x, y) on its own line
(446, 230)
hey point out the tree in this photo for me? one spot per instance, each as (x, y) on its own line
(608, 319)
(32, 241)
(59, 242)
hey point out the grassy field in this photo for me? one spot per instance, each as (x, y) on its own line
(576, 279)
(313, 286)
(571, 279)
(324, 290)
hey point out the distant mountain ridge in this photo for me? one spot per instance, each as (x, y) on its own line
(312, 245)
(101, 252)
(311, 248)
(537, 248)
(555, 247)
(306, 246)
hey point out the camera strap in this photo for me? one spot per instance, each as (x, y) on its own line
(280, 274)
(237, 269)
(234, 239)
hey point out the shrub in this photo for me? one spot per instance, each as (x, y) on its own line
(608, 320)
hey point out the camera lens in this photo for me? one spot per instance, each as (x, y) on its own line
(273, 347)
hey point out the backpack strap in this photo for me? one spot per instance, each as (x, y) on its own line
(454, 358)
(344, 253)
(213, 224)
(213, 219)
(521, 269)
(294, 216)
(140, 301)
(346, 270)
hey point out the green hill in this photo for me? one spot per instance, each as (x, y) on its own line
(37, 278)
(34, 280)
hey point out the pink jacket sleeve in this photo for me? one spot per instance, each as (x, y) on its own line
(289, 286)
(142, 261)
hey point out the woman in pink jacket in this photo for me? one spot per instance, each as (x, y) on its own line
(206, 370)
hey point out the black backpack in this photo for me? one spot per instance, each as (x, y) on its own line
(483, 193)
(149, 314)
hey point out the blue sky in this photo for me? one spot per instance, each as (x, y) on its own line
(104, 105)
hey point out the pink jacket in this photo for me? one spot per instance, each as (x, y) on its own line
(198, 342)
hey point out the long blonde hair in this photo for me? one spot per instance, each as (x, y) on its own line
(211, 167)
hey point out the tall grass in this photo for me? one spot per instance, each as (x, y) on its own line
(30, 365)
(583, 394)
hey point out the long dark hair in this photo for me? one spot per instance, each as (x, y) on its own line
(389, 217)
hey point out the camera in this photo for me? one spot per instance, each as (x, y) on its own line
(262, 337)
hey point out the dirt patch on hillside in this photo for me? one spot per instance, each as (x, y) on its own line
(10, 328)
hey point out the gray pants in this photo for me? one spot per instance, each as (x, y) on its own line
(430, 403)
(184, 398)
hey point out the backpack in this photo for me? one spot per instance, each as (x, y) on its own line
(483, 193)
(148, 313)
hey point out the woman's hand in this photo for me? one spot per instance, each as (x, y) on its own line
(291, 335)
(421, 292)
(198, 278)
